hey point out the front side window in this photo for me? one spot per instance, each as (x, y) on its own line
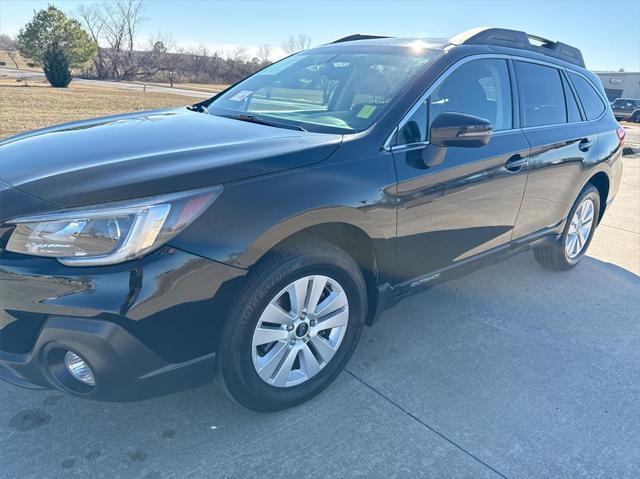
(480, 88)
(326, 90)
(591, 101)
(542, 97)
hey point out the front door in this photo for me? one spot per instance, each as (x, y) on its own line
(468, 204)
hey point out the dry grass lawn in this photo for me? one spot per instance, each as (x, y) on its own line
(38, 105)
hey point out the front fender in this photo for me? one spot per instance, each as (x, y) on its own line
(355, 217)
(254, 215)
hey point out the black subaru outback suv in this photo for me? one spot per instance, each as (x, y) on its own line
(251, 236)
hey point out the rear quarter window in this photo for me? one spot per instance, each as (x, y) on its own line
(591, 101)
(573, 112)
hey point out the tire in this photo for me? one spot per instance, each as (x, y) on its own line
(556, 257)
(238, 355)
(635, 117)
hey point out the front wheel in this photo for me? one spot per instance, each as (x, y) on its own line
(294, 326)
(635, 117)
(577, 234)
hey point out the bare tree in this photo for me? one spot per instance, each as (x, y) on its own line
(264, 53)
(195, 63)
(165, 58)
(8, 44)
(239, 54)
(113, 25)
(92, 20)
(295, 44)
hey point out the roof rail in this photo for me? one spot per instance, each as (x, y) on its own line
(357, 36)
(517, 39)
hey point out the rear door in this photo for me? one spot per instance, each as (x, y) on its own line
(563, 146)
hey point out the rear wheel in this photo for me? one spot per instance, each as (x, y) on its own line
(294, 326)
(636, 117)
(577, 234)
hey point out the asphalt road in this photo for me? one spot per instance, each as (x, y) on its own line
(13, 73)
(512, 371)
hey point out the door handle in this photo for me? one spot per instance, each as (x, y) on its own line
(585, 144)
(515, 163)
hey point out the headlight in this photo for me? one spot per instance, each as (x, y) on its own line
(109, 234)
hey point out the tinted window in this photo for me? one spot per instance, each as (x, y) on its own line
(415, 129)
(542, 96)
(591, 101)
(619, 102)
(480, 88)
(573, 112)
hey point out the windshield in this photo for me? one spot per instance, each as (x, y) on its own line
(326, 90)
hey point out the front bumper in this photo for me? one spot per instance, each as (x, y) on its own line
(146, 327)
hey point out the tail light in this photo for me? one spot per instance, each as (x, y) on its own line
(621, 134)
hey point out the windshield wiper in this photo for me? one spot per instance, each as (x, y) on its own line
(199, 107)
(262, 121)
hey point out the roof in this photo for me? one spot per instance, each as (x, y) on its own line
(433, 43)
(501, 37)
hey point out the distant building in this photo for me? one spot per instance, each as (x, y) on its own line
(621, 84)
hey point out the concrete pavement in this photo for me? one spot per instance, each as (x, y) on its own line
(633, 134)
(513, 371)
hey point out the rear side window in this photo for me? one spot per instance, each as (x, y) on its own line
(541, 95)
(591, 101)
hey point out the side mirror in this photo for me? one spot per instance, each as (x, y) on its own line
(459, 129)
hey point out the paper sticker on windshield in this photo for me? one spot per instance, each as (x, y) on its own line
(241, 95)
(366, 111)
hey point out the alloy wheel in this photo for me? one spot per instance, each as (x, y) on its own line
(579, 228)
(300, 331)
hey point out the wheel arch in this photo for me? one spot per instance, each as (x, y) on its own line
(357, 240)
(602, 183)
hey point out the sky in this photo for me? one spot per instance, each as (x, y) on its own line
(607, 32)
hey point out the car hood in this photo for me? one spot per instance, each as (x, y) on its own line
(149, 153)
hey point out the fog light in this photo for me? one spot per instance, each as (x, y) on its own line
(79, 369)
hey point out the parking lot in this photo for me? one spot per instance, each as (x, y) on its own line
(512, 371)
